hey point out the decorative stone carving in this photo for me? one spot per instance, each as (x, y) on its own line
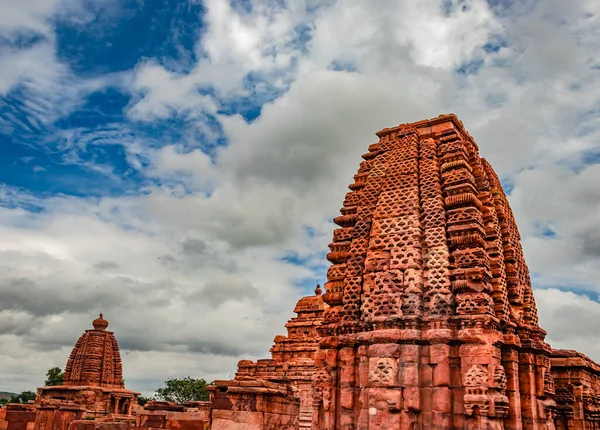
(383, 371)
(476, 376)
(500, 378)
(477, 303)
(93, 379)
(99, 347)
(429, 289)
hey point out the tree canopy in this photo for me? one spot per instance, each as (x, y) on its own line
(23, 397)
(54, 376)
(143, 400)
(181, 390)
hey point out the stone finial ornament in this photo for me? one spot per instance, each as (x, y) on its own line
(100, 323)
(318, 290)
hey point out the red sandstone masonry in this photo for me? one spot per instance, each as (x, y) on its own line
(431, 321)
(19, 416)
(93, 386)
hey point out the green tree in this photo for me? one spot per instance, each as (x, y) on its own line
(24, 397)
(143, 400)
(54, 376)
(181, 390)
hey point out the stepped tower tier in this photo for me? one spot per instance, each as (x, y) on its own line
(427, 319)
(432, 315)
(426, 233)
(291, 366)
(95, 360)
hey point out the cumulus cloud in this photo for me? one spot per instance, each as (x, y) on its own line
(570, 320)
(225, 288)
(202, 265)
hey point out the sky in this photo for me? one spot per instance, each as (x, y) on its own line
(176, 164)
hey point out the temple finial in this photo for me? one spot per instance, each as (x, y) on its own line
(318, 290)
(100, 323)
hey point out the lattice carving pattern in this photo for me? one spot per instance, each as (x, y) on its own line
(426, 230)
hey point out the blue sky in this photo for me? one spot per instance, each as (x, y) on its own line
(179, 162)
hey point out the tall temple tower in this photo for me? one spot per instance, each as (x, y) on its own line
(429, 319)
(432, 321)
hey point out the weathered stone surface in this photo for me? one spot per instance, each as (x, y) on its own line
(167, 415)
(3, 423)
(97, 425)
(428, 320)
(19, 416)
(255, 404)
(95, 360)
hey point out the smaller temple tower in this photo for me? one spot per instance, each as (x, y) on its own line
(275, 392)
(93, 377)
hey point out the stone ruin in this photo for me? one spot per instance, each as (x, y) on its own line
(428, 320)
(93, 396)
(275, 384)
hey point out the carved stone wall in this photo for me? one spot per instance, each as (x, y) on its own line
(54, 415)
(576, 381)
(431, 321)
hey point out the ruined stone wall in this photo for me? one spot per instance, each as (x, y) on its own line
(19, 416)
(97, 425)
(181, 419)
(253, 405)
(56, 415)
(292, 359)
(577, 385)
(161, 414)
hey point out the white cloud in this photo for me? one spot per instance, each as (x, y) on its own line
(163, 264)
(571, 320)
(30, 15)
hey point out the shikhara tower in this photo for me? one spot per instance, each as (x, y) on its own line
(429, 319)
(432, 321)
(93, 378)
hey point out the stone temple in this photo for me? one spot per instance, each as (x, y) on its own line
(428, 320)
(93, 376)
